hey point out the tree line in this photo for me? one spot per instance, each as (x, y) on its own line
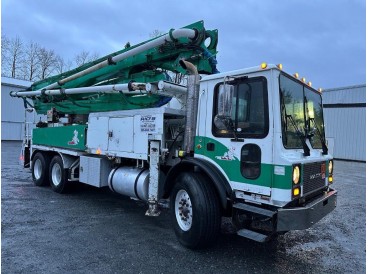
(32, 61)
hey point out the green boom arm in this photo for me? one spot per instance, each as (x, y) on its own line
(149, 64)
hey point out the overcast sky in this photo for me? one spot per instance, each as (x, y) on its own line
(321, 40)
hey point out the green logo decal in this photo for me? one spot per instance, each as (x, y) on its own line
(228, 155)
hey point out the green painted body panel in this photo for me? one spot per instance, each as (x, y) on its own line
(148, 66)
(267, 177)
(283, 181)
(70, 137)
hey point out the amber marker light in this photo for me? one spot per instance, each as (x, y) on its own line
(263, 65)
(279, 66)
(296, 75)
(296, 191)
(304, 80)
(309, 83)
(320, 90)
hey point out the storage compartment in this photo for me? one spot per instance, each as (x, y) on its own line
(94, 171)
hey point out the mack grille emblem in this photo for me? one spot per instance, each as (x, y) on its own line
(315, 176)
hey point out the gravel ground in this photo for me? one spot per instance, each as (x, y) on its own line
(95, 231)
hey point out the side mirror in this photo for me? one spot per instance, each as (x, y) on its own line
(223, 119)
(225, 100)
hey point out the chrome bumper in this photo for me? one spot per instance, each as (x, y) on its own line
(304, 217)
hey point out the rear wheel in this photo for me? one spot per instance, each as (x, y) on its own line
(57, 175)
(195, 211)
(40, 169)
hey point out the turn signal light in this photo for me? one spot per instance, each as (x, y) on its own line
(98, 151)
(330, 179)
(296, 191)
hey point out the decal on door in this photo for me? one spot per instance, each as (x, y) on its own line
(228, 155)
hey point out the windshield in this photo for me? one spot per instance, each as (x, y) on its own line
(303, 106)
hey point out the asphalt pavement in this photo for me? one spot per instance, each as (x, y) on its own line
(93, 230)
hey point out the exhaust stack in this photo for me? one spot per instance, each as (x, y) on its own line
(191, 106)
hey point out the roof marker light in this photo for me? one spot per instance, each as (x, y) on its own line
(263, 65)
(304, 80)
(320, 90)
(296, 75)
(279, 66)
(310, 83)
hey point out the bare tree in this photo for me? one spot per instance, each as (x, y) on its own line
(84, 57)
(47, 62)
(81, 58)
(60, 64)
(34, 61)
(31, 61)
(94, 56)
(155, 33)
(15, 52)
(4, 54)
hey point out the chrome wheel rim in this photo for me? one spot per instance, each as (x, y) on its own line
(183, 210)
(37, 169)
(56, 174)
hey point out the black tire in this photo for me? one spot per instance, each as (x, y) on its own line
(200, 222)
(40, 169)
(57, 175)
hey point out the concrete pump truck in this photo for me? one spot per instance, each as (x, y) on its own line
(247, 144)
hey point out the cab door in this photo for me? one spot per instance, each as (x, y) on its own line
(238, 139)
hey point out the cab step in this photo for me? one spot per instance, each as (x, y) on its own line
(250, 234)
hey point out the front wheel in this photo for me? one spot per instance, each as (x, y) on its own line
(195, 211)
(57, 175)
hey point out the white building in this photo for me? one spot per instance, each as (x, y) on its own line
(345, 119)
(12, 109)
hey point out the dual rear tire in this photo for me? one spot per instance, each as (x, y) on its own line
(48, 170)
(40, 169)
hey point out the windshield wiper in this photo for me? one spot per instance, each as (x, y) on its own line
(300, 135)
(324, 146)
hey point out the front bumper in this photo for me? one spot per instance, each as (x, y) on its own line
(304, 217)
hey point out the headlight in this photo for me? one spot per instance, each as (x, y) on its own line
(330, 167)
(296, 174)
